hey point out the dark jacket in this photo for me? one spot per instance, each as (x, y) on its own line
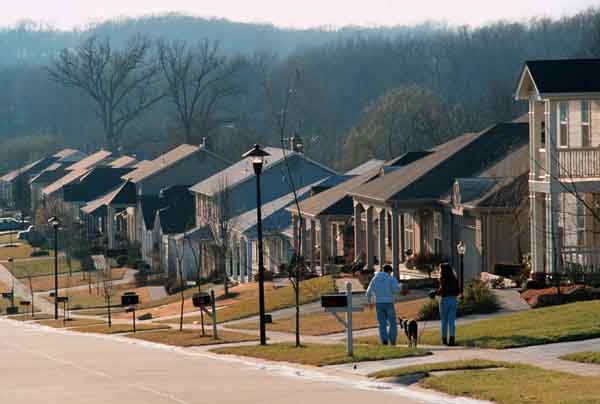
(448, 287)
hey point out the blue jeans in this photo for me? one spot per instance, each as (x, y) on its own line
(448, 315)
(388, 327)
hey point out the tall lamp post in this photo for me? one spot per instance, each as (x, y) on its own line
(462, 249)
(258, 159)
(11, 260)
(55, 223)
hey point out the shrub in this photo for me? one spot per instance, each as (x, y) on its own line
(268, 276)
(39, 253)
(427, 262)
(477, 298)
(122, 260)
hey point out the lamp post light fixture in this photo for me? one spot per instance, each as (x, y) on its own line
(55, 223)
(257, 154)
(462, 250)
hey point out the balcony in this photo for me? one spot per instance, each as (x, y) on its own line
(578, 163)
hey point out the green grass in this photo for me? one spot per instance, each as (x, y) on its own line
(583, 357)
(513, 384)
(187, 338)
(435, 367)
(321, 354)
(569, 322)
(275, 299)
(119, 328)
(40, 266)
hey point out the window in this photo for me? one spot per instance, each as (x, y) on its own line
(586, 138)
(580, 223)
(563, 115)
(409, 242)
(543, 134)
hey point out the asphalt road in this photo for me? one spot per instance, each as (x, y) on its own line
(39, 365)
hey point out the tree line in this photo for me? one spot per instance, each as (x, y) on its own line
(357, 94)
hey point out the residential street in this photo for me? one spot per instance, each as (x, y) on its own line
(53, 366)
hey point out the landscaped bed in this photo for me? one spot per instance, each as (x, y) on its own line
(246, 304)
(323, 323)
(188, 338)
(321, 354)
(569, 322)
(504, 383)
(592, 358)
(119, 328)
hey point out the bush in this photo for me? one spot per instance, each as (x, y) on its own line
(427, 262)
(39, 253)
(122, 260)
(477, 298)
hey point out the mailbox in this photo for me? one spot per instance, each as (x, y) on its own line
(201, 299)
(129, 299)
(12, 310)
(268, 319)
(25, 303)
(51, 294)
(334, 300)
(62, 299)
(7, 295)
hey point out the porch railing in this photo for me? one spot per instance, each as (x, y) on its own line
(579, 163)
(581, 259)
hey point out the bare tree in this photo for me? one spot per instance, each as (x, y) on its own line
(197, 80)
(180, 255)
(105, 275)
(222, 224)
(121, 83)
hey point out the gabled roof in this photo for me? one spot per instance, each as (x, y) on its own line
(11, 176)
(365, 167)
(90, 160)
(150, 204)
(559, 76)
(49, 176)
(95, 183)
(68, 155)
(166, 160)
(433, 175)
(241, 171)
(123, 161)
(71, 176)
(124, 194)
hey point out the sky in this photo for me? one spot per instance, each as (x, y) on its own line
(67, 14)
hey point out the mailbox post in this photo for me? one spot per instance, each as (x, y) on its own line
(64, 300)
(26, 304)
(201, 300)
(342, 303)
(130, 300)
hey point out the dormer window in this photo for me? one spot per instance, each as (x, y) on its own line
(586, 138)
(563, 116)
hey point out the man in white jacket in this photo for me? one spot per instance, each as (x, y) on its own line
(384, 288)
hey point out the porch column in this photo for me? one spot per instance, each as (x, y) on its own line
(242, 257)
(295, 233)
(395, 246)
(369, 230)
(249, 274)
(333, 230)
(324, 247)
(303, 239)
(552, 241)
(381, 236)
(358, 232)
(236, 262)
(552, 174)
(313, 244)
(402, 238)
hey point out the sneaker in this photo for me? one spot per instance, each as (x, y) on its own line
(452, 342)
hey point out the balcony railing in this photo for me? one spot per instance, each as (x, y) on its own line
(578, 163)
(581, 258)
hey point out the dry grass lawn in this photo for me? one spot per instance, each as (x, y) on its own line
(16, 251)
(120, 328)
(44, 283)
(187, 338)
(28, 317)
(82, 298)
(246, 303)
(507, 385)
(39, 266)
(592, 358)
(6, 238)
(74, 322)
(321, 354)
(324, 323)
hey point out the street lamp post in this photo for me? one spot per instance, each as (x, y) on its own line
(55, 223)
(462, 249)
(258, 159)
(11, 260)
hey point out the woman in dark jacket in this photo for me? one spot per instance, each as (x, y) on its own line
(448, 290)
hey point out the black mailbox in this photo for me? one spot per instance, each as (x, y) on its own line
(62, 299)
(334, 300)
(51, 294)
(24, 302)
(12, 310)
(268, 319)
(7, 295)
(129, 299)
(201, 299)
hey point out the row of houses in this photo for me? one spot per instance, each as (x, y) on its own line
(189, 206)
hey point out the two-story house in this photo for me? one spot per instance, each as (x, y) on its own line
(564, 179)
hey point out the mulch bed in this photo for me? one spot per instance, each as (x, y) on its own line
(568, 294)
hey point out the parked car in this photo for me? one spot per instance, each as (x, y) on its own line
(12, 224)
(24, 234)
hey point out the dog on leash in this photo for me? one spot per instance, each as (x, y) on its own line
(411, 329)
